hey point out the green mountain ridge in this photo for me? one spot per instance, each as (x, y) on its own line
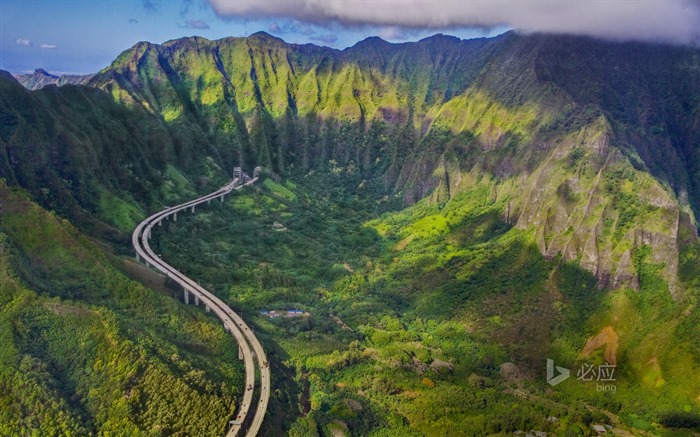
(85, 348)
(570, 160)
(494, 93)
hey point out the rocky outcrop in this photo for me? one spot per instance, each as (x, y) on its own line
(584, 201)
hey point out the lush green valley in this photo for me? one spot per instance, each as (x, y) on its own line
(450, 213)
(417, 317)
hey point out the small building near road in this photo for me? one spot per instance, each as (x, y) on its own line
(272, 314)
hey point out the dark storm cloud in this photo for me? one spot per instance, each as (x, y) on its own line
(676, 21)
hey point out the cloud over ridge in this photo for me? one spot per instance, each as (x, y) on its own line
(195, 24)
(675, 21)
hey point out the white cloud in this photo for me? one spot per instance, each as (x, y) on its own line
(394, 33)
(275, 28)
(329, 39)
(23, 42)
(194, 24)
(675, 21)
(48, 46)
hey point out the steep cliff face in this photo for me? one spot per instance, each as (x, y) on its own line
(592, 146)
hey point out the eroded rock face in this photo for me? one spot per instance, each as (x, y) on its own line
(597, 212)
(573, 213)
(580, 195)
(625, 273)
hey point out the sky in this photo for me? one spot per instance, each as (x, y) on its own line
(84, 36)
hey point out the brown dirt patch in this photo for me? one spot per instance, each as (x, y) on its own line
(411, 394)
(607, 337)
(403, 243)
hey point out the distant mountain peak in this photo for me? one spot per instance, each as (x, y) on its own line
(441, 37)
(43, 72)
(372, 41)
(41, 78)
(264, 36)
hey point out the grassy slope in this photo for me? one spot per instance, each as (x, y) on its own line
(87, 350)
(433, 284)
(94, 161)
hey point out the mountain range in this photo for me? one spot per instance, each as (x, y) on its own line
(588, 151)
(41, 78)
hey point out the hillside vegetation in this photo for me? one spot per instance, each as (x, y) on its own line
(451, 213)
(88, 351)
(438, 319)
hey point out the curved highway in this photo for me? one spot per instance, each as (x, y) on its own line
(233, 323)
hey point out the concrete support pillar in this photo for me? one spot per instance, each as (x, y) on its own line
(196, 299)
(149, 234)
(240, 352)
(222, 198)
(206, 307)
(209, 202)
(175, 217)
(138, 258)
(187, 297)
(147, 264)
(192, 208)
(160, 222)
